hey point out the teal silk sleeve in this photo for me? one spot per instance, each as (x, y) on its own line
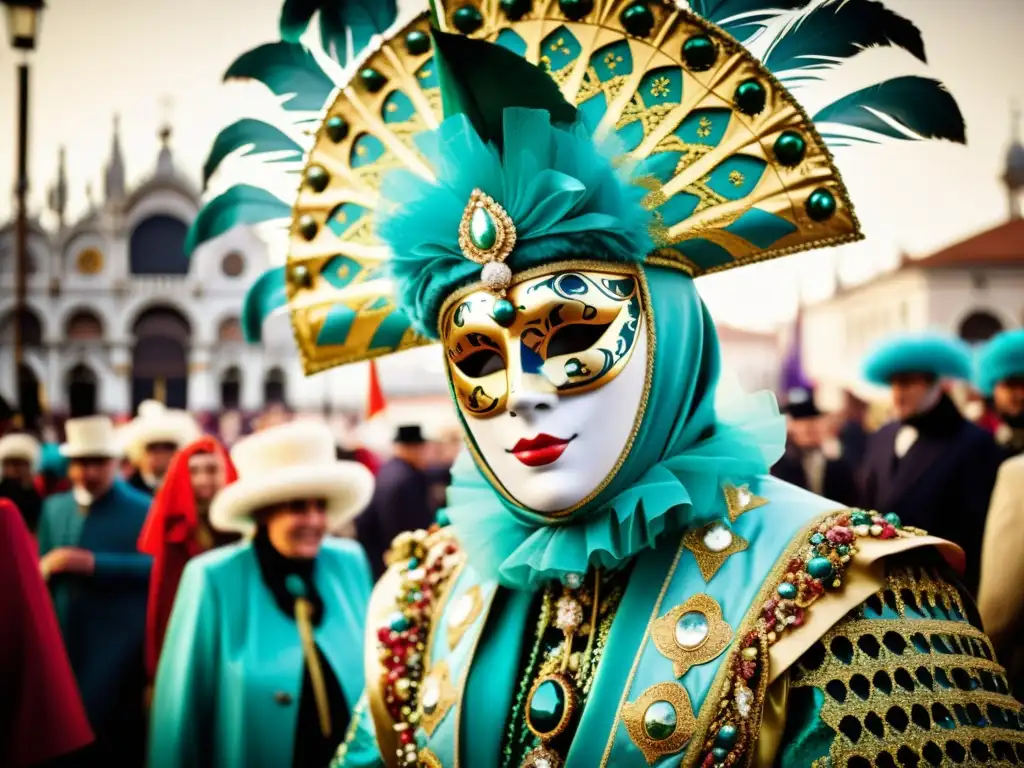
(906, 678)
(359, 749)
(122, 565)
(183, 696)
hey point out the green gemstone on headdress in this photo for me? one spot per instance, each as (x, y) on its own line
(750, 97)
(790, 148)
(575, 10)
(638, 19)
(660, 720)
(821, 205)
(308, 227)
(336, 128)
(700, 53)
(317, 178)
(483, 231)
(516, 9)
(504, 313)
(467, 19)
(417, 42)
(372, 80)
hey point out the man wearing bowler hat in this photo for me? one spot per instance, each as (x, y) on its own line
(99, 583)
(401, 500)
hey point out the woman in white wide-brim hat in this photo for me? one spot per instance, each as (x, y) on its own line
(262, 663)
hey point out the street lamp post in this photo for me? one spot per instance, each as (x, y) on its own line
(23, 26)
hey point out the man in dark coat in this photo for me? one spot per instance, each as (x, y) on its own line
(805, 462)
(401, 499)
(930, 466)
(100, 583)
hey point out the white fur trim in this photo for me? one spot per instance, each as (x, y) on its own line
(296, 460)
(157, 424)
(91, 436)
(21, 446)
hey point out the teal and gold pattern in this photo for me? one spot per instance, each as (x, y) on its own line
(908, 678)
(692, 633)
(661, 721)
(737, 172)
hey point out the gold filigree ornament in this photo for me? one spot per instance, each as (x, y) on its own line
(487, 236)
(463, 612)
(436, 697)
(661, 721)
(712, 545)
(692, 633)
(740, 499)
(428, 759)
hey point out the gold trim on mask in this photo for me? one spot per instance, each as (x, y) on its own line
(569, 265)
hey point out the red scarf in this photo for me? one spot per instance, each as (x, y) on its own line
(169, 535)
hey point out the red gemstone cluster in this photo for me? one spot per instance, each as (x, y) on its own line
(425, 560)
(819, 564)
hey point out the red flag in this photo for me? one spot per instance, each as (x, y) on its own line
(375, 398)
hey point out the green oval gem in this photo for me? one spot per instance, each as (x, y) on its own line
(417, 42)
(301, 276)
(468, 19)
(750, 97)
(821, 205)
(546, 707)
(820, 568)
(790, 148)
(317, 178)
(483, 232)
(727, 736)
(575, 10)
(372, 80)
(894, 520)
(787, 590)
(692, 629)
(860, 518)
(719, 754)
(308, 227)
(398, 622)
(700, 53)
(638, 19)
(660, 720)
(336, 128)
(516, 9)
(504, 313)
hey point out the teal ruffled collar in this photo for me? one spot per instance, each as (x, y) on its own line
(678, 492)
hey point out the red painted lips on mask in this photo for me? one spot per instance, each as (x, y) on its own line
(540, 450)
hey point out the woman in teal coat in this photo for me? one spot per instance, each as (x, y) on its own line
(262, 663)
(534, 185)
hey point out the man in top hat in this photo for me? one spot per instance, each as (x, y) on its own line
(930, 466)
(999, 376)
(806, 462)
(401, 500)
(19, 460)
(99, 584)
(151, 440)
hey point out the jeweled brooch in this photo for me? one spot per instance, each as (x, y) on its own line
(487, 236)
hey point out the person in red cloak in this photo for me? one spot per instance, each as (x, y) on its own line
(178, 529)
(42, 713)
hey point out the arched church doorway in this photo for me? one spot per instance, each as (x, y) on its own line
(83, 389)
(30, 405)
(160, 358)
(979, 326)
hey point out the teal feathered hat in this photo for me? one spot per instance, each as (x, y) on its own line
(1000, 359)
(511, 136)
(52, 461)
(931, 354)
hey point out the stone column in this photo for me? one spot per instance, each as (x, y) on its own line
(116, 390)
(201, 396)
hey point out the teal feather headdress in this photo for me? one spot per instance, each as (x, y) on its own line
(717, 164)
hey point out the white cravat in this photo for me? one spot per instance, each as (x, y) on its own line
(82, 497)
(905, 439)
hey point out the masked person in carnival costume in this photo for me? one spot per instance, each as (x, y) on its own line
(999, 376)
(262, 662)
(151, 439)
(178, 528)
(621, 584)
(931, 466)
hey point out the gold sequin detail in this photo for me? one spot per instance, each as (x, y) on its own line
(457, 628)
(920, 687)
(739, 499)
(635, 716)
(708, 560)
(436, 696)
